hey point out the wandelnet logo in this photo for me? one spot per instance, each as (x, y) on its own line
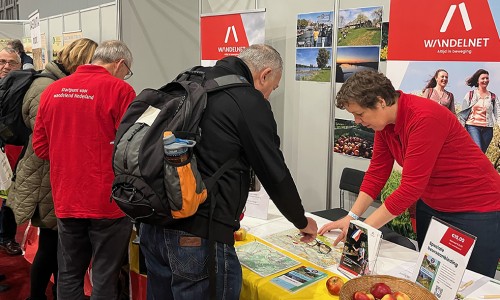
(456, 45)
(236, 49)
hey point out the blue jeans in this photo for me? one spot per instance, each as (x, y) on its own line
(482, 136)
(179, 270)
(485, 226)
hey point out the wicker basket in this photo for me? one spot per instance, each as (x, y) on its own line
(364, 283)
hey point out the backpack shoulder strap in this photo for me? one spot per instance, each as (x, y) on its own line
(225, 81)
(493, 96)
(429, 92)
(471, 93)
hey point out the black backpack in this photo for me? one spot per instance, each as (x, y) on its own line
(147, 187)
(13, 130)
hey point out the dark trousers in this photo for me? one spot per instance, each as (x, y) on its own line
(44, 265)
(8, 226)
(104, 242)
(485, 226)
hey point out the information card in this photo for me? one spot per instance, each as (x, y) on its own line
(443, 259)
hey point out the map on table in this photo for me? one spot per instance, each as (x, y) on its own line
(290, 241)
(263, 259)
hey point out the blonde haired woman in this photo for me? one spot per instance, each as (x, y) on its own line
(31, 196)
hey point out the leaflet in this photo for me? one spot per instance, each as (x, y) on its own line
(360, 249)
(298, 278)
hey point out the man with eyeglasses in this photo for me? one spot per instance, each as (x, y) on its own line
(75, 128)
(9, 61)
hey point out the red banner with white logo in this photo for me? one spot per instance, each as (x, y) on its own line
(444, 30)
(228, 35)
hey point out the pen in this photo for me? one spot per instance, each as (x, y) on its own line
(494, 281)
(490, 297)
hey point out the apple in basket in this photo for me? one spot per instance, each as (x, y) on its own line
(400, 296)
(362, 296)
(334, 284)
(380, 289)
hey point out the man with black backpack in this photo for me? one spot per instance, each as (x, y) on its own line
(237, 123)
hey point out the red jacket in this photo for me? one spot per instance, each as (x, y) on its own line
(13, 153)
(441, 163)
(75, 128)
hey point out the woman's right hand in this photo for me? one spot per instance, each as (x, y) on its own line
(342, 224)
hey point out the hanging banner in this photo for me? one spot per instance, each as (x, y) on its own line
(57, 44)
(228, 35)
(451, 31)
(69, 37)
(36, 38)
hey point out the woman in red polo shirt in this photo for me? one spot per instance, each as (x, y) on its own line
(442, 166)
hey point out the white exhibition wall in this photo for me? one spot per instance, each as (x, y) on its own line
(11, 29)
(97, 23)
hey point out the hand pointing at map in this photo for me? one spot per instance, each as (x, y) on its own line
(310, 231)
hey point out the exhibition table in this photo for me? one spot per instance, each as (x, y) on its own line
(392, 260)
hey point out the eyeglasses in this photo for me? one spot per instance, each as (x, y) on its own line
(322, 247)
(129, 74)
(12, 63)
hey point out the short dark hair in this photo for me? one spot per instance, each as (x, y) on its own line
(364, 87)
(16, 45)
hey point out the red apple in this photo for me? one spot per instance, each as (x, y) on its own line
(334, 284)
(362, 296)
(400, 296)
(388, 297)
(240, 234)
(380, 289)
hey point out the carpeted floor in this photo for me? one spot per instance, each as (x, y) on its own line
(17, 271)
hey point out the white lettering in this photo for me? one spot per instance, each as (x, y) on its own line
(458, 43)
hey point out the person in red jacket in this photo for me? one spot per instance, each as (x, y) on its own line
(442, 166)
(75, 127)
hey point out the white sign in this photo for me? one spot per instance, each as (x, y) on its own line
(36, 36)
(443, 259)
(257, 204)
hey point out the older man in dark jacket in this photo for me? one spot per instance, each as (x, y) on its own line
(237, 123)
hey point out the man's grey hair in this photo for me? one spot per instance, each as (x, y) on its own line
(12, 51)
(111, 51)
(260, 56)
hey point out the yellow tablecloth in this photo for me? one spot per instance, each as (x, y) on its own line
(257, 287)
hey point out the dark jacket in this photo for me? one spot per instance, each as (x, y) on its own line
(26, 59)
(238, 122)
